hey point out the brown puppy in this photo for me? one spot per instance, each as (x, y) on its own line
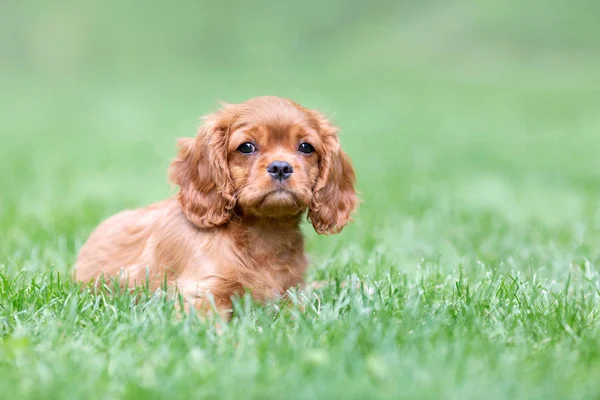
(245, 182)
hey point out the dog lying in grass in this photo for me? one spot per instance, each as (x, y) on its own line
(245, 181)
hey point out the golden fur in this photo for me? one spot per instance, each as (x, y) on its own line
(232, 227)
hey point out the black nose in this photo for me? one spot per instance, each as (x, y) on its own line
(280, 170)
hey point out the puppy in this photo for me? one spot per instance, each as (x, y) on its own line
(245, 182)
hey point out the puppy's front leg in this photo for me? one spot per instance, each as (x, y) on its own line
(207, 296)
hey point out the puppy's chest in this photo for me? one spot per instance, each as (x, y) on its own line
(275, 262)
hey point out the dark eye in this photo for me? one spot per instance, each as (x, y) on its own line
(247, 148)
(305, 148)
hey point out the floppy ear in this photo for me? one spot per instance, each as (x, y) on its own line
(201, 171)
(334, 196)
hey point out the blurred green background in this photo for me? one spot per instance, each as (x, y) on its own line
(445, 107)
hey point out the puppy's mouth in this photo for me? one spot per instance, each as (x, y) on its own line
(278, 202)
(281, 196)
(274, 202)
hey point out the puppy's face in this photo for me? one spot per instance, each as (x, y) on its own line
(269, 157)
(274, 162)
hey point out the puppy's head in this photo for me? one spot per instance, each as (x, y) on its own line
(269, 157)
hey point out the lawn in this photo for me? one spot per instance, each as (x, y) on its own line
(474, 129)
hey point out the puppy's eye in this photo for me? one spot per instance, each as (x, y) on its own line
(305, 148)
(247, 148)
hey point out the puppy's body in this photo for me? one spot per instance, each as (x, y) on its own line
(234, 225)
(156, 242)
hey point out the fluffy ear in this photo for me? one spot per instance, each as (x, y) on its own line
(201, 171)
(334, 196)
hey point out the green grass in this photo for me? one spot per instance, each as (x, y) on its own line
(474, 130)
